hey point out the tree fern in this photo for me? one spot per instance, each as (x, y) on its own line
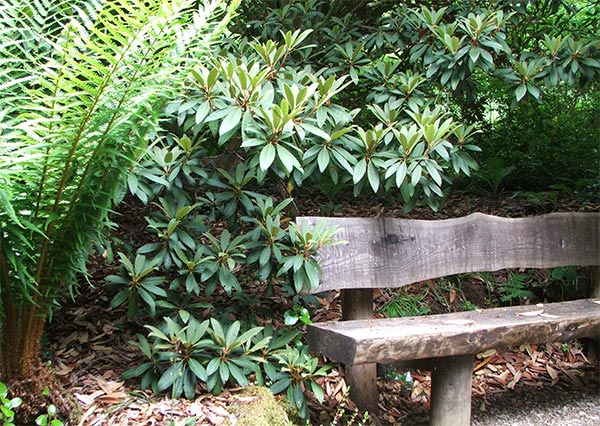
(81, 87)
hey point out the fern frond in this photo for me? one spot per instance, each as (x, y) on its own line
(86, 102)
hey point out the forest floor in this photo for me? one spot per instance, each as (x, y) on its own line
(88, 342)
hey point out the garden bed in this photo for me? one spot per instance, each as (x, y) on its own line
(88, 342)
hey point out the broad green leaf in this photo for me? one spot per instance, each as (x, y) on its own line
(232, 334)
(317, 391)
(359, 171)
(217, 331)
(189, 384)
(323, 159)
(168, 377)
(248, 335)
(280, 385)
(315, 131)
(238, 375)
(267, 156)
(520, 91)
(137, 371)
(224, 371)
(213, 366)
(197, 369)
(401, 174)
(287, 159)
(230, 121)
(251, 142)
(120, 298)
(416, 175)
(373, 176)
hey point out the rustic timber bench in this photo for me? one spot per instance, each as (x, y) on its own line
(384, 253)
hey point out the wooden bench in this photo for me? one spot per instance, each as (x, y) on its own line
(384, 253)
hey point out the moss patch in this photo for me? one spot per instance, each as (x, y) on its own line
(256, 406)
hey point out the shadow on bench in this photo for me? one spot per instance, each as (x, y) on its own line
(384, 253)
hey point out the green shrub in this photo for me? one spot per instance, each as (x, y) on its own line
(552, 143)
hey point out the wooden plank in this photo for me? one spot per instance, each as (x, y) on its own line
(388, 252)
(387, 340)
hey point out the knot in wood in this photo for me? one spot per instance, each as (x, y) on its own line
(389, 239)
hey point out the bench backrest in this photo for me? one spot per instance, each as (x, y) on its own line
(388, 252)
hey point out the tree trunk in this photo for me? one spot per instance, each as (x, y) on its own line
(20, 338)
(21, 328)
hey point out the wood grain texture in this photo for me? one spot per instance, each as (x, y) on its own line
(362, 380)
(451, 391)
(357, 304)
(387, 340)
(387, 252)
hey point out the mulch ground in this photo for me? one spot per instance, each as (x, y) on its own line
(88, 342)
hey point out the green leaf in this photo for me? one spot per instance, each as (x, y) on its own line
(224, 371)
(213, 366)
(238, 375)
(290, 318)
(267, 156)
(280, 385)
(197, 369)
(202, 112)
(401, 174)
(189, 384)
(120, 298)
(217, 331)
(155, 332)
(136, 371)
(265, 256)
(232, 334)
(3, 390)
(317, 391)
(151, 287)
(168, 377)
(311, 274)
(287, 159)
(520, 91)
(251, 142)
(533, 90)
(316, 131)
(248, 335)
(373, 176)
(231, 120)
(359, 171)
(323, 159)
(416, 175)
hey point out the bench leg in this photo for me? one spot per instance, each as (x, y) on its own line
(362, 380)
(451, 391)
(592, 344)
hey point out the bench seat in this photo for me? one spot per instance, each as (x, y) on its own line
(389, 340)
